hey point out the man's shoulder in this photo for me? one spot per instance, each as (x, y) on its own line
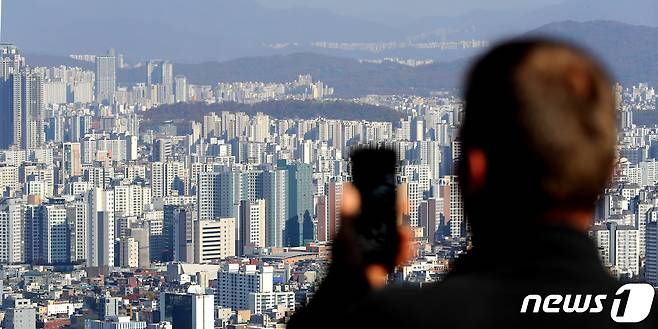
(407, 306)
(479, 301)
(456, 288)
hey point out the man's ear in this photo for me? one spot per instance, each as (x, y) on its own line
(476, 169)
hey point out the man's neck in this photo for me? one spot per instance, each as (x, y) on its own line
(579, 220)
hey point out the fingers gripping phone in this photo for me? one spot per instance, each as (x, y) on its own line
(373, 175)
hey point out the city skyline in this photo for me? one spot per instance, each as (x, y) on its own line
(140, 191)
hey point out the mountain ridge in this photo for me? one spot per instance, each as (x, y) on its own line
(220, 30)
(628, 50)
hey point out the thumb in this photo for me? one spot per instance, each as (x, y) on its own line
(351, 202)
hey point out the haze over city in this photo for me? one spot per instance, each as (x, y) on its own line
(200, 30)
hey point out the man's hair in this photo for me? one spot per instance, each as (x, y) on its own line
(543, 112)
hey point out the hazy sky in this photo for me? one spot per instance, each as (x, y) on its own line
(411, 8)
(197, 30)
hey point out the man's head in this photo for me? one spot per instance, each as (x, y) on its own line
(538, 139)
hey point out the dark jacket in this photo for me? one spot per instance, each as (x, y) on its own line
(486, 289)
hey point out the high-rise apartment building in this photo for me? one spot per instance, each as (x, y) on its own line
(334, 205)
(453, 208)
(72, 165)
(106, 79)
(160, 78)
(275, 194)
(234, 284)
(260, 302)
(140, 233)
(169, 214)
(413, 198)
(128, 252)
(167, 178)
(427, 218)
(21, 101)
(12, 66)
(252, 224)
(180, 89)
(183, 234)
(100, 227)
(321, 218)
(619, 247)
(12, 241)
(299, 224)
(216, 194)
(214, 240)
(76, 214)
(54, 235)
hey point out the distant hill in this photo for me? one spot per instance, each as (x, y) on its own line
(496, 24)
(182, 114)
(349, 77)
(202, 30)
(631, 53)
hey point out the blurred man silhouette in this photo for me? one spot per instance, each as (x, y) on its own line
(538, 148)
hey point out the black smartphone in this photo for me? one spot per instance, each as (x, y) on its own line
(373, 175)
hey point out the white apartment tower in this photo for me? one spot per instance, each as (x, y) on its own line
(252, 223)
(214, 240)
(100, 228)
(54, 235)
(619, 247)
(11, 232)
(235, 283)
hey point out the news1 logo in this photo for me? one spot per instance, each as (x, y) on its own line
(631, 303)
